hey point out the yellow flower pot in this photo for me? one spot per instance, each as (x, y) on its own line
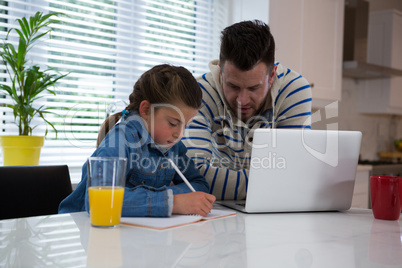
(21, 150)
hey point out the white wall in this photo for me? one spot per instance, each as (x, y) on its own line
(248, 10)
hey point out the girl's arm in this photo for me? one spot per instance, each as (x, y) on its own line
(187, 167)
(147, 201)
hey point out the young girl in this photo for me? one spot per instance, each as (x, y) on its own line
(163, 101)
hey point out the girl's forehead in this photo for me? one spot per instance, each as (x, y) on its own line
(178, 111)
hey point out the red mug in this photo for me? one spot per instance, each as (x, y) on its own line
(400, 190)
(385, 197)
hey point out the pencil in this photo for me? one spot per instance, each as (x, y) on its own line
(181, 175)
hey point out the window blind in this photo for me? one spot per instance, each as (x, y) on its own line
(105, 45)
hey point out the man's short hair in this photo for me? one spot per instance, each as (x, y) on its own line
(247, 43)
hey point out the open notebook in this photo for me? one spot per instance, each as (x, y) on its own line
(162, 223)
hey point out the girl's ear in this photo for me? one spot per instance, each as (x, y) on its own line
(145, 109)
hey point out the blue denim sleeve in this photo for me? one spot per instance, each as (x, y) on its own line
(187, 166)
(147, 201)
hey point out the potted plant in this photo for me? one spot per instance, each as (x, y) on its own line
(27, 84)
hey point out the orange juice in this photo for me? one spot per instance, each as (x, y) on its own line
(105, 204)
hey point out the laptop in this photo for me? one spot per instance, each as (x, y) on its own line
(300, 170)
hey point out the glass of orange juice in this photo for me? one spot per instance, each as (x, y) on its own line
(106, 182)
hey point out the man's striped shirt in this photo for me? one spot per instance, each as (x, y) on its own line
(220, 144)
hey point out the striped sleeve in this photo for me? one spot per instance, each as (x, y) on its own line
(292, 101)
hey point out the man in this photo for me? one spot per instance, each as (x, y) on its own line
(245, 90)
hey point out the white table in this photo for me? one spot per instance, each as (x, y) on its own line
(324, 239)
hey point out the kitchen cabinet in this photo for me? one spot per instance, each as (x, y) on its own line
(383, 96)
(309, 40)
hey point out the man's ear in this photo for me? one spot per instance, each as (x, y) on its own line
(145, 109)
(272, 75)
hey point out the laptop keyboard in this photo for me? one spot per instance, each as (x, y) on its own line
(242, 204)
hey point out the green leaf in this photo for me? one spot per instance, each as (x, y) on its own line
(41, 115)
(39, 36)
(22, 36)
(21, 55)
(6, 88)
(45, 17)
(26, 24)
(24, 30)
(12, 48)
(31, 22)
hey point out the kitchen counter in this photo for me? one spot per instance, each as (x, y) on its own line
(364, 168)
(321, 239)
(395, 156)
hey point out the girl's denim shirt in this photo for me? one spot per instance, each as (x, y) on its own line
(151, 181)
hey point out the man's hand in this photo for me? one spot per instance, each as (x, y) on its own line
(193, 203)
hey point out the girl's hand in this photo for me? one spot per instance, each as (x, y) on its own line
(193, 203)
